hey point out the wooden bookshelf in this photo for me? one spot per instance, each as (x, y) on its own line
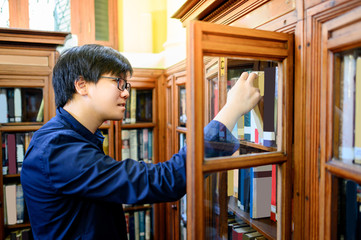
(20, 45)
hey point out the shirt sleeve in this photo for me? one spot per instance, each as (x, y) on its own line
(81, 169)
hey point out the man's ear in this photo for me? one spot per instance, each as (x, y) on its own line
(81, 86)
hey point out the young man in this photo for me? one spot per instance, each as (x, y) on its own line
(71, 188)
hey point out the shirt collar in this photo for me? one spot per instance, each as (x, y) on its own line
(78, 127)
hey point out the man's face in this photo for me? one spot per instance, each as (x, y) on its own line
(107, 101)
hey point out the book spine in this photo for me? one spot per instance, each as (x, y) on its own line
(133, 105)
(17, 104)
(346, 144)
(358, 112)
(11, 149)
(3, 107)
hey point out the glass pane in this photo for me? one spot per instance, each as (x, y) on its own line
(241, 202)
(183, 200)
(49, 15)
(14, 146)
(347, 107)
(347, 201)
(257, 130)
(106, 141)
(101, 20)
(137, 144)
(139, 106)
(4, 13)
(182, 106)
(21, 105)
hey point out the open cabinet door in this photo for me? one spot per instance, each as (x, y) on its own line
(215, 186)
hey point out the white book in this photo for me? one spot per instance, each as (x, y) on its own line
(3, 106)
(10, 192)
(260, 191)
(346, 150)
(17, 104)
(358, 112)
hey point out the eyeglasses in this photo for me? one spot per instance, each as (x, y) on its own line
(122, 83)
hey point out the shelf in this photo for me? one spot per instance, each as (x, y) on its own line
(137, 208)
(137, 125)
(11, 176)
(17, 226)
(20, 127)
(263, 225)
(257, 146)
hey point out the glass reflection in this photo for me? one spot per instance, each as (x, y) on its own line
(348, 202)
(347, 106)
(238, 204)
(256, 130)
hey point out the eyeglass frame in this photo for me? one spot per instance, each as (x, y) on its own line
(126, 85)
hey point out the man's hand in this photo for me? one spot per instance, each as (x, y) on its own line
(241, 99)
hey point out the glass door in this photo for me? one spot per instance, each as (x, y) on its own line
(225, 187)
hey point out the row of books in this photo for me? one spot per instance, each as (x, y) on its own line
(350, 108)
(14, 205)
(139, 224)
(21, 234)
(255, 189)
(240, 230)
(137, 144)
(21, 105)
(14, 146)
(260, 124)
(139, 106)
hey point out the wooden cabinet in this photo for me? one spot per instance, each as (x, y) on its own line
(335, 91)
(137, 137)
(26, 62)
(322, 173)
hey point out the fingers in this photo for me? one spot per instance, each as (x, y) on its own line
(251, 78)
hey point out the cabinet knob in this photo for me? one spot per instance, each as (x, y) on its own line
(174, 206)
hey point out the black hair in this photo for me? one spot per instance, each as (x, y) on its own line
(90, 62)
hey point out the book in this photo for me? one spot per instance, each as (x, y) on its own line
(148, 224)
(40, 115)
(5, 159)
(11, 106)
(133, 105)
(19, 137)
(131, 226)
(273, 213)
(140, 145)
(145, 145)
(357, 133)
(237, 233)
(141, 225)
(251, 235)
(182, 107)
(3, 106)
(126, 215)
(136, 225)
(105, 142)
(150, 146)
(11, 150)
(260, 191)
(346, 151)
(125, 144)
(144, 106)
(19, 204)
(17, 105)
(133, 143)
(10, 193)
(351, 209)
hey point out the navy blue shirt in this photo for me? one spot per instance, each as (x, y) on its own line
(74, 191)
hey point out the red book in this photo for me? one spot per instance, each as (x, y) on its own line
(274, 193)
(12, 153)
